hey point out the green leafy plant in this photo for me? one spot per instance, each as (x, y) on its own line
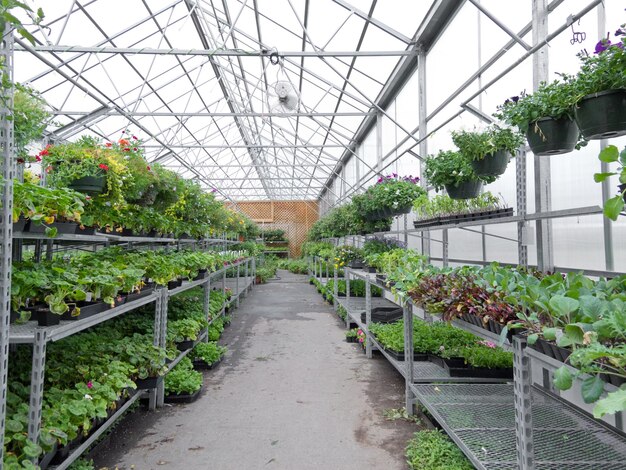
(450, 168)
(209, 352)
(433, 450)
(182, 379)
(554, 100)
(611, 154)
(476, 145)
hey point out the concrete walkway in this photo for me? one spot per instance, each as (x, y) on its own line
(291, 394)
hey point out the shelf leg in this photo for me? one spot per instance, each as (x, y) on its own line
(522, 381)
(237, 286)
(408, 356)
(207, 303)
(224, 291)
(368, 318)
(346, 273)
(336, 289)
(37, 377)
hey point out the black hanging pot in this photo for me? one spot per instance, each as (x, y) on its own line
(89, 184)
(548, 136)
(602, 115)
(465, 190)
(493, 164)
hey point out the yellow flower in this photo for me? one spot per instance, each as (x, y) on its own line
(48, 220)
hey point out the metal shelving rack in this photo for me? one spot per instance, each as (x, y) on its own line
(498, 424)
(31, 333)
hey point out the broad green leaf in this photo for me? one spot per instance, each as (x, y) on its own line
(550, 334)
(591, 307)
(51, 232)
(576, 331)
(592, 388)
(599, 177)
(14, 426)
(622, 157)
(612, 403)
(609, 154)
(563, 378)
(532, 339)
(613, 206)
(563, 306)
(31, 450)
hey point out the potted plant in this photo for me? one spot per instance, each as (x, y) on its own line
(392, 195)
(488, 150)
(452, 170)
(600, 86)
(614, 205)
(546, 117)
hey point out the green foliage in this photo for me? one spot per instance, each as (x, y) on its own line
(389, 193)
(30, 118)
(476, 145)
(433, 450)
(272, 234)
(182, 379)
(444, 205)
(551, 100)
(209, 352)
(450, 168)
(295, 266)
(610, 154)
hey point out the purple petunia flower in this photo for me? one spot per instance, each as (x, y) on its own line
(515, 99)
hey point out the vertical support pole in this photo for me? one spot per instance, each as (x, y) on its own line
(237, 284)
(346, 271)
(160, 390)
(368, 318)
(407, 315)
(206, 303)
(520, 185)
(607, 224)
(336, 289)
(406, 230)
(422, 133)
(545, 259)
(37, 377)
(445, 247)
(522, 387)
(156, 340)
(315, 268)
(223, 312)
(49, 249)
(6, 222)
(379, 142)
(327, 277)
(246, 275)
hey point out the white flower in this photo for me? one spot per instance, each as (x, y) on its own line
(88, 397)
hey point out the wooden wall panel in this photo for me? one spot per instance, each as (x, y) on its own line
(294, 217)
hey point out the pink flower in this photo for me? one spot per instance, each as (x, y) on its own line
(89, 384)
(489, 344)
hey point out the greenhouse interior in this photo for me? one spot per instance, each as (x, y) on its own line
(225, 222)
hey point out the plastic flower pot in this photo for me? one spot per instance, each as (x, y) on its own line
(21, 225)
(89, 184)
(465, 190)
(183, 398)
(493, 164)
(549, 136)
(602, 115)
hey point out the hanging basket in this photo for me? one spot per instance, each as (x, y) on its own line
(549, 136)
(465, 190)
(494, 164)
(89, 184)
(602, 115)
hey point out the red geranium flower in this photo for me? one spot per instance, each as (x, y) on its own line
(44, 152)
(38, 158)
(21, 160)
(109, 144)
(126, 149)
(135, 138)
(104, 167)
(135, 149)
(148, 167)
(124, 142)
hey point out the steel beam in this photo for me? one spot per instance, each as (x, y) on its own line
(210, 52)
(379, 24)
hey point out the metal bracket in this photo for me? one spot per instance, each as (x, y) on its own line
(522, 389)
